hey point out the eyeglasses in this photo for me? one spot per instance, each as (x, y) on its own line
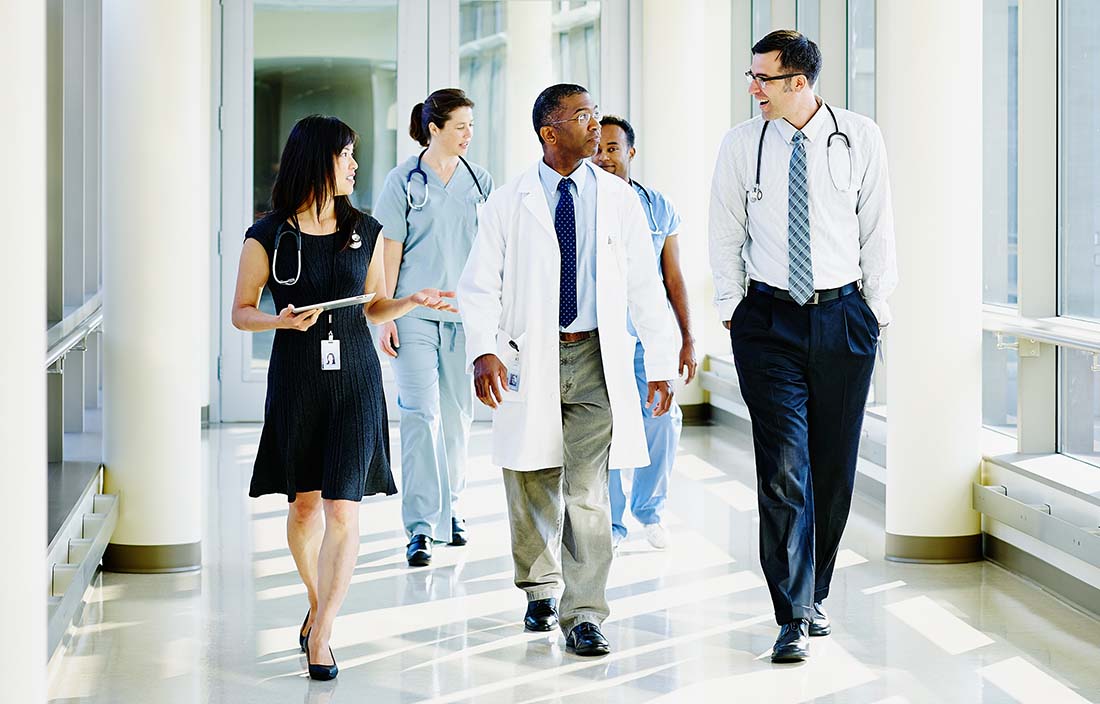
(762, 81)
(581, 119)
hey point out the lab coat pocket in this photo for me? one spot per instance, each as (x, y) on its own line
(617, 249)
(512, 353)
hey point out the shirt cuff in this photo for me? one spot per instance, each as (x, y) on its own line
(726, 306)
(477, 346)
(881, 309)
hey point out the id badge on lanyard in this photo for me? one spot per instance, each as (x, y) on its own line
(513, 367)
(330, 350)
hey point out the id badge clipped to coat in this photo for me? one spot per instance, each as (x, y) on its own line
(330, 354)
(513, 366)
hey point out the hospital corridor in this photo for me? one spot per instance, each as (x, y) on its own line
(517, 351)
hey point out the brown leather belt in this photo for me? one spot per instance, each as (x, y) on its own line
(576, 336)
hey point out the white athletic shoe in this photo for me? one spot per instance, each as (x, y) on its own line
(657, 535)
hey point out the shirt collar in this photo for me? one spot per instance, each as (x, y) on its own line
(812, 129)
(551, 178)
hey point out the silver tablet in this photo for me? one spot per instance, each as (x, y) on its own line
(338, 303)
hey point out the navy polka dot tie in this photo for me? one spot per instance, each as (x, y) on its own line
(565, 224)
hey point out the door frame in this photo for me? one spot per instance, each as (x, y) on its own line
(241, 389)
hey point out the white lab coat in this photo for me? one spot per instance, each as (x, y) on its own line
(509, 292)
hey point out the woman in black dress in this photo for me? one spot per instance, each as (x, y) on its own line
(325, 441)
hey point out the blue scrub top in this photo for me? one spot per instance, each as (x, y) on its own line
(438, 237)
(663, 220)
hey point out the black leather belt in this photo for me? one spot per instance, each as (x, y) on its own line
(576, 336)
(821, 296)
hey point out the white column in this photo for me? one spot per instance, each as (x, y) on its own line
(674, 59)
(22, 360)
(529, 70)
(727, 37)
(934, 374)
(154, 225)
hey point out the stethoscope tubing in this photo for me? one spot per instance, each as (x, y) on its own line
(755, 194)
(418, 170)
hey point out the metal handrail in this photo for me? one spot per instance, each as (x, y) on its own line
(66, 334)
(1051, 331)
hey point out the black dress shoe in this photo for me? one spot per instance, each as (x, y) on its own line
(322, 672)
(458, 532)
(793, 643)
(586, 639)
(419, 551)
(542, 615)
(820, 625)
(303, 637)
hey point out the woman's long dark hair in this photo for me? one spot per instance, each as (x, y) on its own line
(307, 174)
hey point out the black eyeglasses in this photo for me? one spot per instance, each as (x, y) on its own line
(762, 81)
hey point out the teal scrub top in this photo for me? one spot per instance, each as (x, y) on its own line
(662, 218)
(438, 237)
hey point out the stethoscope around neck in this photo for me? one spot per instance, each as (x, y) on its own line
(292, 228)
(838, 160)
(652, 220)
(424, 176)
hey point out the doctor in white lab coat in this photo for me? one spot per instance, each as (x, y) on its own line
(561, 254)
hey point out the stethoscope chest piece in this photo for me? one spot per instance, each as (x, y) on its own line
(356, 240)
(755, 194)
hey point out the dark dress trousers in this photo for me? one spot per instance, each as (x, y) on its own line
(804, 372)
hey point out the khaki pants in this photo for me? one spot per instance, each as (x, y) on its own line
(561, 517)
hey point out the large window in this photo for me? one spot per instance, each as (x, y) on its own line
(577, 43)
(1079, 397)
(508, 52)
(1000, 362)
(861, 57)
(483, 41)
(1000, 83)
(73, 238)
(1079, 182)
(1079, 225)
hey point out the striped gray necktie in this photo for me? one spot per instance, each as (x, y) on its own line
(800, 266)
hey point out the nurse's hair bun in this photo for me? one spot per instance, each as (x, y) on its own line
(436, 110)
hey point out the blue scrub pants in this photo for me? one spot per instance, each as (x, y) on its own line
(804, 372)
(650, 489)
(435, 395)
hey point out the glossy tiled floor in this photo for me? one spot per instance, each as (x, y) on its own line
(691, 624)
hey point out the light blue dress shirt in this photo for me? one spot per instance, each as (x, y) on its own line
(439, 236)
(663, 221)
(584, 200)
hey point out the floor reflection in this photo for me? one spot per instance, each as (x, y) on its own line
(690, 624)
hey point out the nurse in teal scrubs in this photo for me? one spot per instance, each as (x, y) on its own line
(428, 208)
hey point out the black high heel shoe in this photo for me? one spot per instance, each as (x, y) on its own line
(303, 638)
(322, 672)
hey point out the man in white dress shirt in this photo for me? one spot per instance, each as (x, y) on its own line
(802, 249)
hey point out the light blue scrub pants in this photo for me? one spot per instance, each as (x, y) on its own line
(662, 434)
(436, 398)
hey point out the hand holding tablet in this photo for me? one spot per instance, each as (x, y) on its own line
(334, 304)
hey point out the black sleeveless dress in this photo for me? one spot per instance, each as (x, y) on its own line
(323, 430)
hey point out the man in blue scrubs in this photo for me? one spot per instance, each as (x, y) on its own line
(650, 488)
